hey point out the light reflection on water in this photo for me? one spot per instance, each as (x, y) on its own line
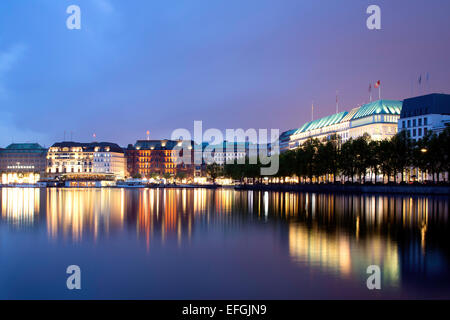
(333, 234)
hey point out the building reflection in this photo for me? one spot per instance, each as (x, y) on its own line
(342, 254)
(344, 234)
(74, 213)
(341, 234)
(169, 213)
(20, 206)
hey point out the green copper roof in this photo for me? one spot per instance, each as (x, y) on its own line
(379, 107)
(393, 107)
(23, 148)
(322, 122)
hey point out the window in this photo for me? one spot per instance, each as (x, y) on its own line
(414, 123)
(425, 131)
(425, 121)
(409, 123)
(414, 132)
(420, 122)
(420, 132)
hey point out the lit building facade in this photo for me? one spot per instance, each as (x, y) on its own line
(228, 152)
(160, 158)
(132, 159)
(78, 161)
(424, 114)
(379, 119)
(109, 159)
(22, 163)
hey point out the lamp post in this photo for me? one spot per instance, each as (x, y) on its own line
(423, 150)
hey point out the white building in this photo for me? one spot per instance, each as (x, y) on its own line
(378, 119)
(423, 114)
(109, 160)
(78, 161)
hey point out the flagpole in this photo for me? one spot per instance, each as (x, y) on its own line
(337, 103)
(379, 92)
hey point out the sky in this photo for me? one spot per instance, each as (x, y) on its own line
(159, 65)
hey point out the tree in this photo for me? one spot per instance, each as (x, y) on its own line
(180, 175)
(401, 156)
(361, 152)
(374, 160)
(327, 158)
(347, 161)
(213, 171)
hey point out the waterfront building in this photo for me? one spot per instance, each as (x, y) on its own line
(132, 159)
(22, 163)
(160, 158)
(86, 161)
(109, 159)
(424, 114)
(378, 119)
(228, 152)
(285, 138)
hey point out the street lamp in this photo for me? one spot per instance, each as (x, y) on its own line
(423, 150)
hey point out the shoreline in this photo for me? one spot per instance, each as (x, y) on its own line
(340, 188)
(315, 188)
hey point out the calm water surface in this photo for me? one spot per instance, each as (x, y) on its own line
(221, 244)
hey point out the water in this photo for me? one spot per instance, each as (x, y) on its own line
(221, 244)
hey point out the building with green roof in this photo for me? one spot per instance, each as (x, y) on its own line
(378, 119)
(22, 163)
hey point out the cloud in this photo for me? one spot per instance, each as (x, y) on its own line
(8, 59)
(11, 132)
(9, 129)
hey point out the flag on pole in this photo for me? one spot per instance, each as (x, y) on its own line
(370, 92)
(378, 85)
(420, 79)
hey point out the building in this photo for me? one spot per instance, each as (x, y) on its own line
(285, 138)
(228, 152)
(424, 114)
(22, 163)
(160, 158)
(86, 161)
(132, 159)
(109, 159)
(378, 119)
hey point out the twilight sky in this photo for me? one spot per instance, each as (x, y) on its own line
(159, 65)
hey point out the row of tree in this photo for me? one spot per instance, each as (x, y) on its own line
(358, 159)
